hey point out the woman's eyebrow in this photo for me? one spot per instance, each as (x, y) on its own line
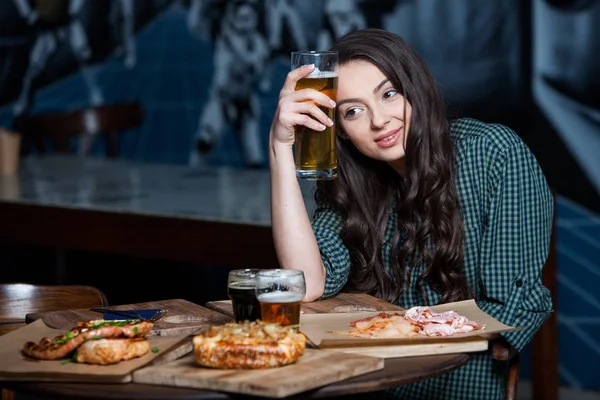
(378, 87)
(357, 100)
(353, 100)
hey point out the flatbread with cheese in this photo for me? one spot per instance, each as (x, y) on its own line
(248, 345)
(415, 321)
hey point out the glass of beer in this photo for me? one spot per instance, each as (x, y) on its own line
(315, 152)
(241, 285)
(280, 292)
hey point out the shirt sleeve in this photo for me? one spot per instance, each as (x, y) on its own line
(515, 244)
(326, 225)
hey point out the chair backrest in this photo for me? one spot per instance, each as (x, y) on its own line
(19, 299)
(544, 346)
(59, 128)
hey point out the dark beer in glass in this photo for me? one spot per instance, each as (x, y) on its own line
(241, 290)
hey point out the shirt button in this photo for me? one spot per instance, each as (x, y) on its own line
(519, 283)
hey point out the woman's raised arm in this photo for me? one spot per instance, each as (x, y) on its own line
(293, 236)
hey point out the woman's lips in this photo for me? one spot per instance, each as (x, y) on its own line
(388, 139)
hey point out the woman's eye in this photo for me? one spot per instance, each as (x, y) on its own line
(351, 112)
(390, 93)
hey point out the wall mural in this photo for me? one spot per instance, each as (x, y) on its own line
(207, 72)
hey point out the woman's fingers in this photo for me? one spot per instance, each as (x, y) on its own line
(294, 76)
(302, 107)
(313, 113)
(298, 119)
(312, 95)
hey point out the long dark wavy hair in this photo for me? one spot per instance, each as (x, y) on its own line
(429, 217)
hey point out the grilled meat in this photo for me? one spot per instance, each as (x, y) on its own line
(63, 345)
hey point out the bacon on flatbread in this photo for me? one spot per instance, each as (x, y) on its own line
(415, 321)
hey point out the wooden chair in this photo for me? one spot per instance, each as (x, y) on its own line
(38, 130)
(544, 346)
(19, 299)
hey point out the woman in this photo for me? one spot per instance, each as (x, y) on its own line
(424, 211)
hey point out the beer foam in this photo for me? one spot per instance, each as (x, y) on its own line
(280, 297)
(316, 74)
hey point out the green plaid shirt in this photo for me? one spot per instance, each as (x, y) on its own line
(507, 210)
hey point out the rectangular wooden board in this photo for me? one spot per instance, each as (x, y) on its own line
(15, 365)
(315, 368)
(319, 327)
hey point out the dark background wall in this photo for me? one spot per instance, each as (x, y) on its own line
(532, 65)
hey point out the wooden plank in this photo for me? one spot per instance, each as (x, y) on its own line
(343, 302)
(468, 345)
(14, 366)
(183, 317)
(397, 371)
(314, 369)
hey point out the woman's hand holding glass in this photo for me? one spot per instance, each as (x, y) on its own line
(299, 108)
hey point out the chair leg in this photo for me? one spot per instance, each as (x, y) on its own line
(512, 379)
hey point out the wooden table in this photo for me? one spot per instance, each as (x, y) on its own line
(397, 371)
(343, 302)
(167, 212)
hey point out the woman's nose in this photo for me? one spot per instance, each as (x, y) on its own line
(379, 119)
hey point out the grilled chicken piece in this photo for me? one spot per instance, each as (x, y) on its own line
(61, 346)
(111, 351)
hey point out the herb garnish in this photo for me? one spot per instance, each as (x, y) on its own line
(70, 360)
(114, 323)
(68, 336)
(155, 350)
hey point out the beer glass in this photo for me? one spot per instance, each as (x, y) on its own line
(241, 285)
(315, 153)
(279, 292)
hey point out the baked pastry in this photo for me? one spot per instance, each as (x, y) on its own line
(64, 345)
(248, 345)
(111, 351)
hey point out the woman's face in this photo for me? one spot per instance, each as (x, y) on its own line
(373, 114)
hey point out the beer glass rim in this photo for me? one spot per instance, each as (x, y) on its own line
(242, 276)
(246, 272)
(276, 273)
(315, 52)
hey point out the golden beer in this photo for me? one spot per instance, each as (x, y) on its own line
(281, 307)
(315, 152)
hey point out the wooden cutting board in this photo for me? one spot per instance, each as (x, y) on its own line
(467, 345)
(320, 330)
(183, 317)
(314, 369)
(15, 366)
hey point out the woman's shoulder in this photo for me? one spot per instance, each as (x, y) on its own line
(477, 139)
(466, 131)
